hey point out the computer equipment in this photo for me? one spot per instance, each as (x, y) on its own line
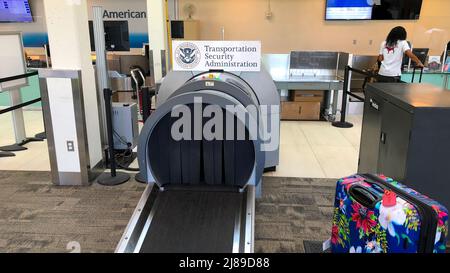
(421, 53)
(177, 29)
(117, 37)
(125, 125)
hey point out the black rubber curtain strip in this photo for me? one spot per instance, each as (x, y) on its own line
(212, 160)
(174, 163)
(191, 157)
(199, 162)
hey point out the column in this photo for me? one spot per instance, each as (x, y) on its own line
(68, 34)
(157, 34)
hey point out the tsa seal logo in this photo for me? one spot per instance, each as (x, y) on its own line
(187, 55)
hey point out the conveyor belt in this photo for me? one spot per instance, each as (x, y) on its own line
(192, 221)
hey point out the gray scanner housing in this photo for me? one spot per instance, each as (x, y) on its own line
(220, 162)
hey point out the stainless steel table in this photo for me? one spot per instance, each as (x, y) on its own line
(309, 70)
(329, 84)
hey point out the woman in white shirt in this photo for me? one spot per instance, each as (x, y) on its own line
(391, 55)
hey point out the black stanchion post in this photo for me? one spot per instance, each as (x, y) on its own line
(146, 113)
(342, 123)
(113, 178)
(145, 103)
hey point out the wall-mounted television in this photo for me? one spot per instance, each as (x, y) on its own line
(373, 9)
(15, 11)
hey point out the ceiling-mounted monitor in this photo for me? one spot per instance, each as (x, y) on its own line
(373, 9)
(15, 11)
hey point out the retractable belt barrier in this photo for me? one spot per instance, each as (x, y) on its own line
(6, 151)
(346, 92)
(18, 106)
(17, 77)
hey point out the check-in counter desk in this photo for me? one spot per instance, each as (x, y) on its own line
(437, 78)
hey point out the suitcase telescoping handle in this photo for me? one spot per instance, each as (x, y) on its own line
(364, 196)
(414, 74)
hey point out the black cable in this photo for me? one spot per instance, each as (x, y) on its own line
(126, 154)
(128, 168)
(121, 139)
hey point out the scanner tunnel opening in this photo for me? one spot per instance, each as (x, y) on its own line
(199, 162)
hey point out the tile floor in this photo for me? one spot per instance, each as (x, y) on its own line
(33, 159)
(307, 149)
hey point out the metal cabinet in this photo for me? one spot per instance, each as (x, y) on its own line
(394, 140)
(371, 133)
(385, 137)
(406, 135)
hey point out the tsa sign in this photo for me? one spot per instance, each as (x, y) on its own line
(213, 55)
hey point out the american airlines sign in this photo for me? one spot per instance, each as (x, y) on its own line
(128, 14)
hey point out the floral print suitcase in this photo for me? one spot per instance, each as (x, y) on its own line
(363, 222)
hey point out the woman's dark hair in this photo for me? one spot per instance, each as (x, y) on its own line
(396, 34)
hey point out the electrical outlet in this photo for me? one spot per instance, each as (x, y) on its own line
(70, 146)
(355, 42)
(370, 42)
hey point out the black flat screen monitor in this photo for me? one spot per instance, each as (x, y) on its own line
(177, 29)
(117, 37)
(373, 9)
(421, 53)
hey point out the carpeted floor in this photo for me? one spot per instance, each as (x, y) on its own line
(38, 217)
(293, 210)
